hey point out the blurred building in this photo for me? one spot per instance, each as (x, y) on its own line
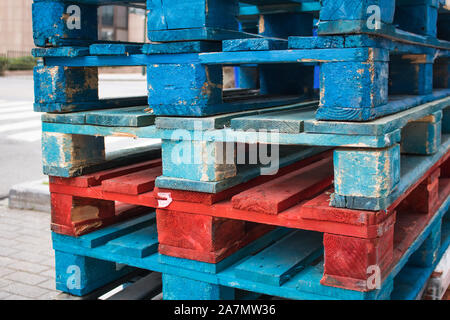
(16, 35)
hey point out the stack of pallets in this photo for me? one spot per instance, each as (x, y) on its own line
(284, 186)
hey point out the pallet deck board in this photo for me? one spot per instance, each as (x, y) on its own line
(279, 194)
(276, 264)
(303, 285)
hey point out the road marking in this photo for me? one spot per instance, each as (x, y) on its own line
(19, 115)
(28, 136)
(20, 107)
(20, 125)
(15, 103)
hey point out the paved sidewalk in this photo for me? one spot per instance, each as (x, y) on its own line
(26, 256)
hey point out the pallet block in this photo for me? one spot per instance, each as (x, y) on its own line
(424, 198)
(422, 136)
(366, 173)
(202, 95)
(179, 288)
(80, 275)
(249, 268)
(64, 23)
(67, 155)
(71, 155)
(202, 20)
(56, 23)
(75, 216)
(64, 89)
(418, 17)
(197, 160)
(203, 238)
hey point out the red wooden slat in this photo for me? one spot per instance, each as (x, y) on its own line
(282, 193)
(96, 179)
(133, 183)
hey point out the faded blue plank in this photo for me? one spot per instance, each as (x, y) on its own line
(410, 108)
(244, 174)
(139, 244)
(121, 117)
(279, 262)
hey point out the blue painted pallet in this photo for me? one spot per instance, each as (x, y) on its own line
(61, 22)
(417, 131)
(358, 94)
(61, 89)
(267, 266)
(170, 20)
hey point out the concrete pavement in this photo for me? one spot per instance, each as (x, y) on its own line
(20, 127)
(26, 256)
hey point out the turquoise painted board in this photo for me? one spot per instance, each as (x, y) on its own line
(303, 285)
(278, 263)
(388, 123)
(139, 244)
(290, 121)
(220, 121)
(122, 117)
(244, 174)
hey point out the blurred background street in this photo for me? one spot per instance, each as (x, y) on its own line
(20, 127)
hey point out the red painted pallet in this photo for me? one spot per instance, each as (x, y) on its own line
(210, 227)
(354, 240)
(133, 184)
(83, 204)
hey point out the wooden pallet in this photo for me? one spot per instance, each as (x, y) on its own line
(215, 20)
(297, 197)
(365, 98)
(282, 263)
(414, 131)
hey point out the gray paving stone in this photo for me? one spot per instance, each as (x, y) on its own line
(48, 284)
(34, 240)
(27, 267)
(7, 252)
(26, 278)
(50, 262)
(7, 227)
(5, 271)
(8, 242)
(8, 234)
(4, 283)
(50, 273)
(4, 261)
(17, 297)
(49, 296)
(30, 257)
(26, 290)
(26, 255)
(21, 246)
